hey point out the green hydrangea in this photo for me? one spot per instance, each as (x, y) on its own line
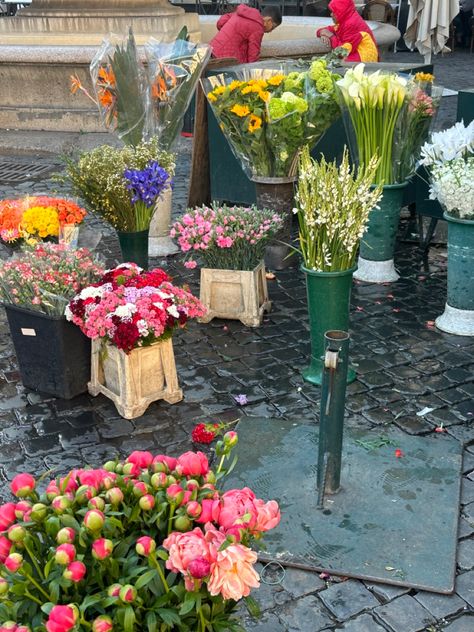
(318, 70)
(325, 84)
(276, 108)
(294, 102)
(294, 81)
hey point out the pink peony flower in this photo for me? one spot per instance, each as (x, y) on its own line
(5, 546)
(23, 509)
(268, 515)
(193, 464)
(193, 509)
(114, 590)
(22, 485)
(75, 571)
(175, 493)
(102, 548)
(169, 461)
(8, 626)
(114, 496)
(61, 619)
(65, 554)
(142, 459)
(185, 547)
(238, 507)
(199, 568)
(145, 545)
(233, 575)
(209, 512)
(7, 516)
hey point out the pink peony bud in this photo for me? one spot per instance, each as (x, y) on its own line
(4, 588)
(193, 464)
(182, 523)
(130, 469)
(145, 545)
(8, 626)
(75, 571)
(114, 590)
(5, 546)
(192, 484)
(175, 494)
(16, 533)
(168, 461)
(140, 488)
(60, 504)
(230, 439)
(84, 493)
(110, 466)
(114, 496)
(23, 628)
(22, 509)
(199, 567)
(102, 624)
(38, 512)
(22, 485)
(159, 479)
(66, 535)
(193, 509)
(7, 516)
(102, 548)
(147, 502)
(94, 520)
(62, 619)
(97, 503)
(65, 554)
(13, 562)
(142, 459)
(128, 593)
(210, 477)
(52, 490)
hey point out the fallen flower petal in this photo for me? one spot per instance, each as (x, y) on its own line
(359, 308)
(430, 323)
(440, 428)
(270, 276)
(241, 399)
(399, 453)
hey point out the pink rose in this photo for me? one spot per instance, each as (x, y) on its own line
(193, 464)
(142, 459)
(7, 516)
(233, 575)
(22, 485)
(61, 619)
(102, 548)
(190, 265)
(75, 571)
(268, 515)
(238, 507)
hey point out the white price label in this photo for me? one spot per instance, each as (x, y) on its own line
(28, 332)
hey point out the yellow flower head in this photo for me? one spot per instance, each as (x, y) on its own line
(275, 80)
(219, 90)
(240, 110)
(264, 95)
(211, 97)
(424, 76)
(246, 89)
(42, 221)
(234, 84)
(255, 123)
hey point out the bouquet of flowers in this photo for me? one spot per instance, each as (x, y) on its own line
(333, 205)
(174, 69)
(151, 543)
(121, 89)
(231, 238)
(46, 277)
(37, 217)
(122, 185)
(131, 308)
(389, 116)
(268, 117)
(450, 161)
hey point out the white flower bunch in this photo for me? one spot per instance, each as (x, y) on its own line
(452, 143)
(452, 184)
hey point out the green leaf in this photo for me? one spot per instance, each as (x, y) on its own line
(151, 622)
(129, 619)
(145, 579)
(90, 600)
(47, 567)
(168, 616)
(253, 607)
(47, 607)
(163, 555)
(188, 605)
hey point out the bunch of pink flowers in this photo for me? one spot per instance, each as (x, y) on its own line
(232, 238)
(130, 307)
(99, 548)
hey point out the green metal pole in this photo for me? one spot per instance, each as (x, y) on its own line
(335, 363)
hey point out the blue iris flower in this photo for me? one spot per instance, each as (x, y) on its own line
(147, 184)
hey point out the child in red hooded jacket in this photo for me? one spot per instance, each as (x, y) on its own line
(240, 33)
(349, 31)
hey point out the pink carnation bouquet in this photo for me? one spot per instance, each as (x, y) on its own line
(130, 307)
(149, 543)
(230, 238)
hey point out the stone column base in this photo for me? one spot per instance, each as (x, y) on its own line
(456, 321)
(376, 271)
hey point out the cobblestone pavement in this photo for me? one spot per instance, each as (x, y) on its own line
(403, 364)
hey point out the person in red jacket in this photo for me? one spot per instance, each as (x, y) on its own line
(349, 31)
(240, 33)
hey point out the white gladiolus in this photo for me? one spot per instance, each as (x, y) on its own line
(452, 143)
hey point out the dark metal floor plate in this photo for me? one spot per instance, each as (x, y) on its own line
(394, 521)
(20, 170)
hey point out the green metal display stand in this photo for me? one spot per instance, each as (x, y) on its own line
(385, 523)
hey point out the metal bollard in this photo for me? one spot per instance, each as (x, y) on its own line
(333, 395)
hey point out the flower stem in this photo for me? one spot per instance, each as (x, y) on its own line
(221, 463)
(156, 564)
(170, 519)
(33, 598)
(34, 560)
(202, 621)
(35, 583)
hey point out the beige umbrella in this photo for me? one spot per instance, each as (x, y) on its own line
(428, 25)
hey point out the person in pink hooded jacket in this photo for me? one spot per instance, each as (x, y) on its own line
(240, 33)
(350, 31)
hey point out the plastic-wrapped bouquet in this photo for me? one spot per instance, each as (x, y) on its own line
(231, 238)
(268, 116)
(34, 218)
(449, 158)
(46, 277)
(387, 115)
(149, 543)
(131, 308)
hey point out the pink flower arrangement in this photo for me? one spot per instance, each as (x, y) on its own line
(129, 307)
(46, 277)
(232, 238)
(82, 569)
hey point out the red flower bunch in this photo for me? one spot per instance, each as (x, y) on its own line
(206, 433)
(131, 308)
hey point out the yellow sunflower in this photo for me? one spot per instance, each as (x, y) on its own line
(212, 97)
(255, 123)
(264, 95)
(234, 84)
(240, 110)
(246, 89)
(276, 80)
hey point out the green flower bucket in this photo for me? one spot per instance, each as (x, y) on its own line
(134, 247)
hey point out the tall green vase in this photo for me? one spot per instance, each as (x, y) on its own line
(378, 242)
(134, 247)
(458, 315)
(329, 297)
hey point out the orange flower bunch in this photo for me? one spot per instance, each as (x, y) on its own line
(37, 216)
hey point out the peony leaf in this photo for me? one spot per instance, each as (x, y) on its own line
(253, 606)
(168, 616)
(145, 579)
(129, 619)
(188, 605)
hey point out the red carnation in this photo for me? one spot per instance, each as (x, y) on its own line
(203, 433)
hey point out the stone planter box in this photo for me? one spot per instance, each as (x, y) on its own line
(235, 294)
(160, 243)
(134, 380)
